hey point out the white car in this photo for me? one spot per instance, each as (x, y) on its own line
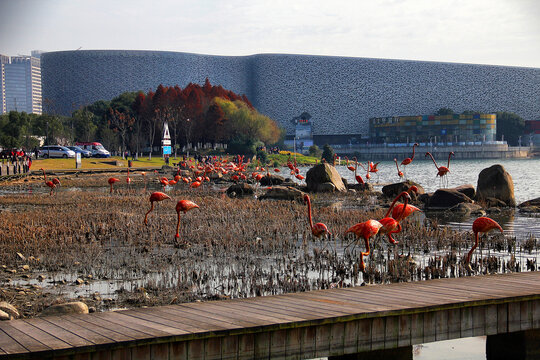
(55, 151)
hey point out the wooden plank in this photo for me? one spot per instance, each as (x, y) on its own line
(417, 329)
(141, 352)
(246, 346)
(261, 312)
(491, 319)
(124, 330)
(127, 318)
(212, 348)
(514, 317)
(536, 314)
(441, 325)
(9, 345)
(466, 314)
(91, 336)
(391, 333)
(309, 337)
(278, 344)
(429, 327)
(378, 333)
(479, 320)
(262, 345)
(404, 336)
(322, 343)
(195, 349)
(178, 350)
(178, 322)
(159, 351)
(118, 354)
(364, 327)
(210, 311)
(40, 335)
(454, 323)
(229, 347)
(293, 343)
(108, 333)
(526, 316)
(66, 336)
(337, 338)
(502, 318)
(350, 337)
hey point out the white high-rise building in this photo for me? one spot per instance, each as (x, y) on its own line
(21, 84)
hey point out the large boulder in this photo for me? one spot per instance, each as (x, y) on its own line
(283, 193)
(239, 190)
(271, 179)
(467, 189)
(495, 182)
(324, 173)
(446, 198)
(76, 307)
(9, 309)
(533, 202)
(393, 190)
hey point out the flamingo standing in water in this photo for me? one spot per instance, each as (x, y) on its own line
(407, 161)
(389, 224)
(399, 172)
(50, 184)
(183, 206)
(481, 225)
(356, 176)
(111, 181)
(442, 171)
(401, 211)
(319, 229)
(155, 196)
(366, 230)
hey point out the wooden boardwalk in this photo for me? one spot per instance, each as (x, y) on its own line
(301, 325)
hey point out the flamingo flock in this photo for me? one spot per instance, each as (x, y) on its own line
(388, 226)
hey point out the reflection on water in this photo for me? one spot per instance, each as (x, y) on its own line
(473, 348)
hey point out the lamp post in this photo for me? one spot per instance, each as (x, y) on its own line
(47, 139)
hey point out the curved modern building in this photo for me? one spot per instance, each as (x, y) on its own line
(340, 93)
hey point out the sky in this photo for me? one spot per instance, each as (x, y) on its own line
(497, 32)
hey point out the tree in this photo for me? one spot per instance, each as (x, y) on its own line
(85, 125)
(315, 151)
(328, 154)
(121, 123)
(511, 125)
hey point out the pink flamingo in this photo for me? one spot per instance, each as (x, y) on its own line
(155, 196)
(407, 161)
(390, 225)
(319, 229)
(183, 206)
(481, 225)
(442, 171)
(111, 181)
(401, 211)
(50, 184)
(366, 230)
(399, 172)
(356, 176)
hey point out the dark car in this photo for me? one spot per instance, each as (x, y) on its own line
(84, 153)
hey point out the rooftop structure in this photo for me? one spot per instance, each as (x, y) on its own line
(20, 84)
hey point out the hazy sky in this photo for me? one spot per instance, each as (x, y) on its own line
(502, 32)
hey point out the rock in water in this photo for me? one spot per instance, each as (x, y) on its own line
(239, 190)
(495, 182)
(324, 173)
(76, 307)
(393, 190)
(283, 193)
(271, 179)
(446, 198)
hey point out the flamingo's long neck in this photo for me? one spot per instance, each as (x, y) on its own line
(397, 167)
(309, 213)
(146, 216)
(474, 247)
(404, 208)
(449, 155)
(393, 203)
(44, 175)
(433, 160)
(412, 157)
(178, 226)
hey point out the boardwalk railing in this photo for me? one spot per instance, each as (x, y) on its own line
(387, 319)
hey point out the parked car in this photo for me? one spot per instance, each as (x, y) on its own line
(96, 148)
(56, 151)
(83, 152)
